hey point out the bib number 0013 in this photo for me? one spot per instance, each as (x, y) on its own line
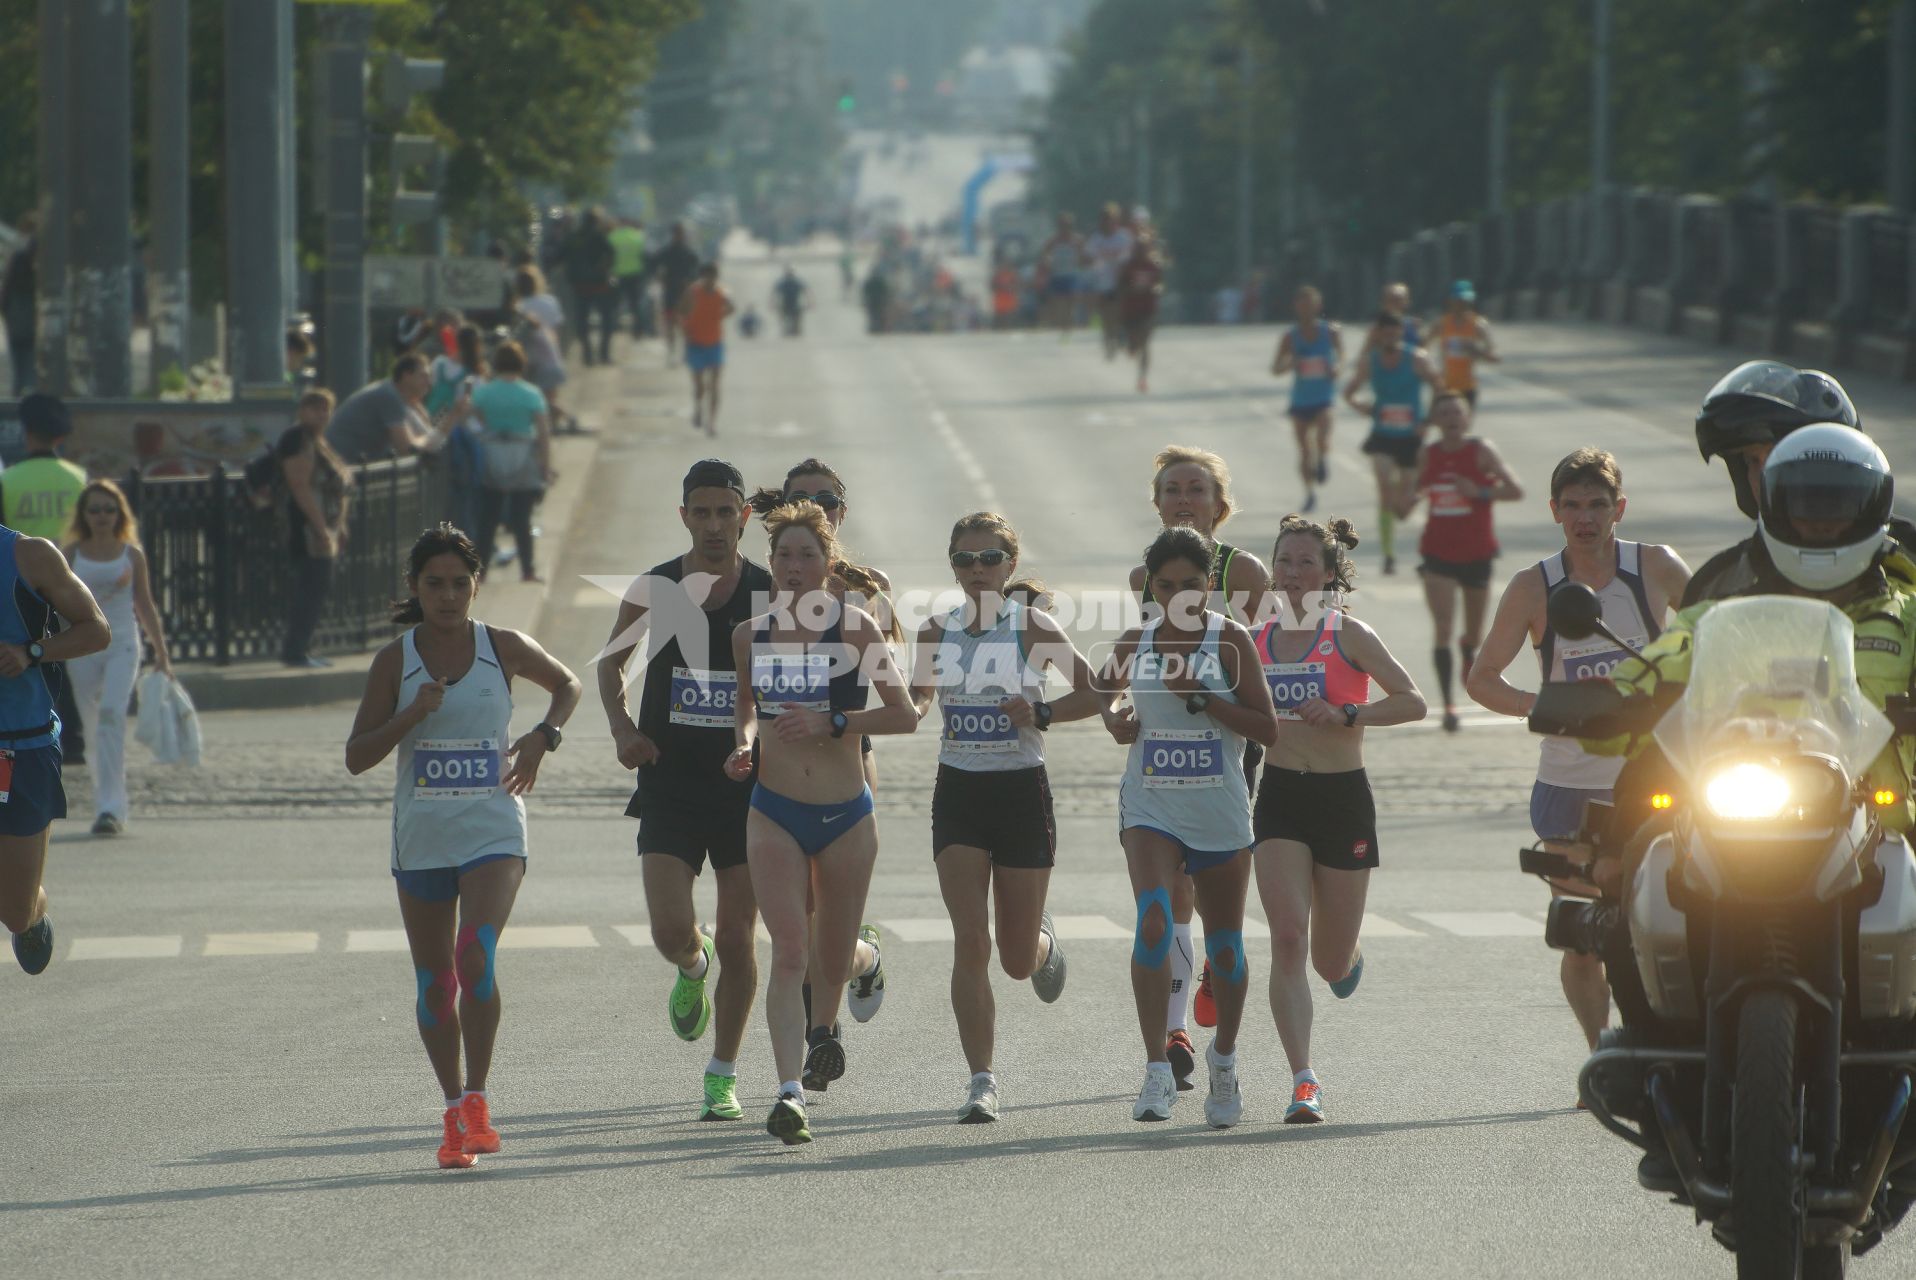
(455, 769)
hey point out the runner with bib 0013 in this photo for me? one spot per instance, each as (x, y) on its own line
(1197, 692)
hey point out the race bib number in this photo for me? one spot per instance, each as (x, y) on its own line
(1460, 348)
(974, 724)
(1293, 684)
(1399, 416)
(455, 768)
(703, 699)
(1184, 758)
(1590, 661)
(1313, 367)
(803, 678)
(1447, 498)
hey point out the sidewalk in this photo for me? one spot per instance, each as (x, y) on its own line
(593, 395)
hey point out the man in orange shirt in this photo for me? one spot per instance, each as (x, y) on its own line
(702, 312)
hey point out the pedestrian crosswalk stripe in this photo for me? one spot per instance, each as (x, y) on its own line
(1378, 927)
(260, 944)
(1088, 928)
(1482, 924)
(148, 948)
(532, 937)
(376, 940)
(929, 929)
(639, 935)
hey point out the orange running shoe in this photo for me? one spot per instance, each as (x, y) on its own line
(452, 1148)
(1305, 1106)
(1204, 1006)
(481, 1137)
(1182, 1055)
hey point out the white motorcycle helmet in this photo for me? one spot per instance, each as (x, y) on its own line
(1827, 492)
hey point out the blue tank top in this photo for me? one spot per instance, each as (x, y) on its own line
(27, 719)
(1399, 395)
(1316, 362)
(819, 675)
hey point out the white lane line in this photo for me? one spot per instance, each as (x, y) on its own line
(144, 948)
(967, 461)
(639, 935)
(261, 944)
(537, 937)
(370, 940)
(1088, 928)
(1378, 927)
(926, 929)
(1482, 924)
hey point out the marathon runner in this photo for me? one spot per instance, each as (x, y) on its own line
(1061, 259)
(1192, 488)
(1313, 347)
(792, 296)
(1184, 805)
(1108, 250)
(1460, 475)
(1140, 284)
(688, 811)
(1638, 584)
(440, 696)
(1394, 298)
(1463, 337)
(992, 833)
(702, 310)
(36, 583)
(811, 837)
(1397, 373)
(1316, 822)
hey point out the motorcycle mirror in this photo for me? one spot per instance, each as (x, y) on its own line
(1575, 612)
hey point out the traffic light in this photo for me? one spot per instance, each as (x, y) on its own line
(847, 100)
(399, 80)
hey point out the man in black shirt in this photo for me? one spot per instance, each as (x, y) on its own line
(675, 265)
(589, 258)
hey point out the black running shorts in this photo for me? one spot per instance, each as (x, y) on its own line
(1465, 573)
(1399, 449)
(1331, 814)
(693, 821)
(1007, 814)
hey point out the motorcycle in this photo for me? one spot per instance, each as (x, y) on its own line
(1759, 932)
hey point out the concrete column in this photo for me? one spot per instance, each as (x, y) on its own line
(257, 96)
(343, 342)
(169, 288)
(100, 220)
(56, 203)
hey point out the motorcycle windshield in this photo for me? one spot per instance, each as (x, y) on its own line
(1775, 674)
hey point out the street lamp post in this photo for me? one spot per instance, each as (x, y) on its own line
(56, 202)
(1246, 68)
(258, 95)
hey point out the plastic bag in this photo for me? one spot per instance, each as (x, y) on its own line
(168, 724)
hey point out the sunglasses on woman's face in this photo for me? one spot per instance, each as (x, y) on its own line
(103, 511)
(827, 501)
(990, 559)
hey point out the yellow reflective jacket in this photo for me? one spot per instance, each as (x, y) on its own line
(1885, 622)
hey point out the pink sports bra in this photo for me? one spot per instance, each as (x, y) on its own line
(1323, 672)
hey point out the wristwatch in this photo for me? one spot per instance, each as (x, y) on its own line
(553, 736)
(35, 652)
(1197, 701)
(1041, 713)
(1350, 715)
(840, 722)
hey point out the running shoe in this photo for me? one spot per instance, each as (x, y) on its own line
(1346, 986)
(787, 1121)
(689, 1008)
(481, 1137)
(824, 1060)
(1390, 564)
(34, 947)
(981, 1105)
(721, 1098)
(1451, 722)
(1225, 1105)
(1204, 1004)
(1324, 468)
(106, 825)
(865, 992)
(1159, 1092)
(1305, 1107)
(1182, 1055)
(452, 1145)
(1048, 979)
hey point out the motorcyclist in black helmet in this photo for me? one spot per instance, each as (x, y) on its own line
(1753, 407)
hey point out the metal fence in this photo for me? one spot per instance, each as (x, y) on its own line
(222, 568)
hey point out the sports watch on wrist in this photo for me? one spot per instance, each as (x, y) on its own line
(1350, 715)
(1196, 703)
(840, 722)
(552, 735)
(1041, 713)
(35, 652)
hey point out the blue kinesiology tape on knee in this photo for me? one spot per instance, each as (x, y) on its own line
(488, 939)
(1154, 956)
(1226, 942)
(447, 985)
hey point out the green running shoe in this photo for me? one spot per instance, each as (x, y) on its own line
(689, 1008)
(721, 1098)
(787, 1122)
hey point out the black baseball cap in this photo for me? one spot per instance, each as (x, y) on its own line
(45, 416)
(713, 473)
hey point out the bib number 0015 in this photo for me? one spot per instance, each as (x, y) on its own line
(1183, 758)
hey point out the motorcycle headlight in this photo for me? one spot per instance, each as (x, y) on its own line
(1787, 794)
(1747, 793)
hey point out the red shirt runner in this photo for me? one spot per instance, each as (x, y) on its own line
(1459, 527)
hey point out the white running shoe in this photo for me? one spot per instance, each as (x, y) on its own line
(981, 1106)
(1048, 979)
(1225, 1105)
(1159, 1092)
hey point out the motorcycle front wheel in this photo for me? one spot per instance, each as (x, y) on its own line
(1766, 1189)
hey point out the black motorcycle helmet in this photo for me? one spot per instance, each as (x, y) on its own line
(1760, 402)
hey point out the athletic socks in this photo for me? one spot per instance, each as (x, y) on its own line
(1302, 1076)
(792, 1089)
(473, 1093)
(1181, 965)
(696, 970)
(984, 1077)
(1387, 531)
(869, 969)
(719, 1067)
(450, 1104)
(1442, 658)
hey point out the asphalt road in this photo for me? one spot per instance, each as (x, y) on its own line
(220, 1075)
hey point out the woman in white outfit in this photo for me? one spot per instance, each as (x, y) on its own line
(103, 544)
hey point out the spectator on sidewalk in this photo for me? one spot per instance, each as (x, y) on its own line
(318, 489)
(19, 303)
(539, 322)
(454, 378)
(103, 546)
(37, 496)
(386, 418)
(628, 269)
(301, 375)
(588, 265)
(676, 265)
(517, 442)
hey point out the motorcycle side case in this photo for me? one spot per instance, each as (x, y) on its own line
(1660, 936)
(1886, 938)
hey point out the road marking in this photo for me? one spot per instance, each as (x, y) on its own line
(1482, 924)
(594, 597)
(927, 929)
(1378, 927)
(1088, 928)
(146, 948)
(368, 940)
(967, 461)
(261, 944)
(538, 937)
